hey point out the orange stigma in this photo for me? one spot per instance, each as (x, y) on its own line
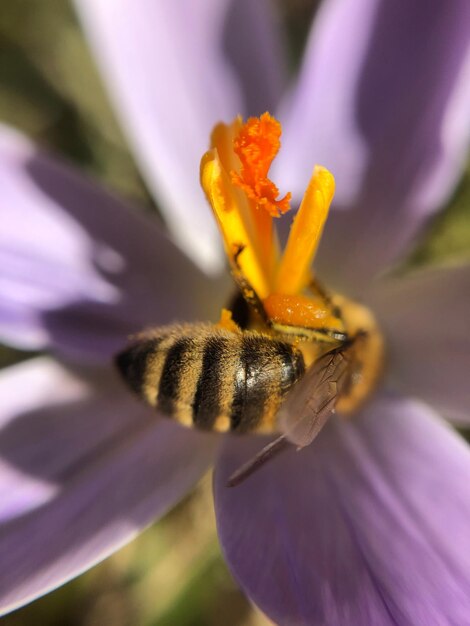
(256, 145)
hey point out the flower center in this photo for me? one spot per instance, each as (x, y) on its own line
(283, 294)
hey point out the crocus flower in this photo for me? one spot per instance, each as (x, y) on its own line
(369, 524)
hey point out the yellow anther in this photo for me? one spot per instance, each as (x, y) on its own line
(305, 234)
(226, 205)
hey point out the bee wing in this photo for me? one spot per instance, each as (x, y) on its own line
(305, 411)
(265, 454)
(313, 398)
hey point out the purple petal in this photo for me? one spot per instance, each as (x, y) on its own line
(368, 525)
(174, 69)
(426, 320)
(83, 468)
(382, 100)
(81, 270)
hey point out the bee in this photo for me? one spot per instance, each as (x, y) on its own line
(227, 377)
(224, 377)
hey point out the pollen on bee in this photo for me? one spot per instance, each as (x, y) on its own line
(299, 310)
(227, 322)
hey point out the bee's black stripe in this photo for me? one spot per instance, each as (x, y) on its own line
(252, 384)
(293, 365)
(132, 362)
(239, 397)
(207, 400)
(170, 377)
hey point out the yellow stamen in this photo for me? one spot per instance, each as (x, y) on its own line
(226, 204)
(227, 139)
(256, 145)
(222, 139)
(294, 270)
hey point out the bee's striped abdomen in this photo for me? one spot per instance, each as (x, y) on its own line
(211, 378)
(266, 370)
(172, 360)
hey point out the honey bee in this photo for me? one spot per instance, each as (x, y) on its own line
(225, 378)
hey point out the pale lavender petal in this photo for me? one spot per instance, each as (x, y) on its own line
(368, 525)
(426, 320)
(83, 468)
(174, 69)
(383, 100)
(253, 46)
(80, 269)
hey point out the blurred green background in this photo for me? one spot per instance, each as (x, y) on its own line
(173, 574)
